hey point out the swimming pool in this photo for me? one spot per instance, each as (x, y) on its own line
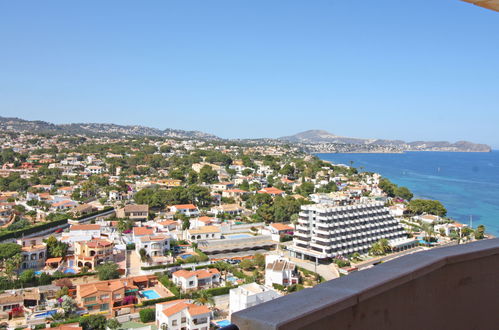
(236, 236)
(150, 294)
(38, 272)
(223, 323)
(46, 314)
(69, 271)
(185, 256)
(232, 279)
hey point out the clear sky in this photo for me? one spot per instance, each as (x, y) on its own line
(411, 69)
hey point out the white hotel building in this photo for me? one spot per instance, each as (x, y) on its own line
(327, 231)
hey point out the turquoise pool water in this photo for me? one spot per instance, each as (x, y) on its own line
(223, 323)
(46, 314)
(150, 294)
(232, 279)
(236, 236)
(185, 256)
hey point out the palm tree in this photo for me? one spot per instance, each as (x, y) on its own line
(429, 231)
(205, 298)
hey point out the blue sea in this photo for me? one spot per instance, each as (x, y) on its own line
(466, 183)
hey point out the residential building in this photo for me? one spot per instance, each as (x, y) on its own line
(249, 295)
(189, 210)
(102, 296)
(326, 231)
(230, 209)
(271, 191)
(203, 233)
(93, 253)
(182, 314)
(136, 212)
(155, 246)
(33, 251)
(279, 270)
(191, 280)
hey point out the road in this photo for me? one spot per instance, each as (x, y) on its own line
(369, 263)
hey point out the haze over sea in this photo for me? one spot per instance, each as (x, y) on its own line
(466, 183)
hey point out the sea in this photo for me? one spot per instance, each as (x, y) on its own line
(466, 183)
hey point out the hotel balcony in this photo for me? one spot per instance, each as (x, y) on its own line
(444, 288)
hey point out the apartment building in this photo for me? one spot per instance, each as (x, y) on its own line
(33, 251)
(326, 231)
(155, 245)
(249, 295)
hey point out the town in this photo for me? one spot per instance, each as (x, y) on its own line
(124, 232)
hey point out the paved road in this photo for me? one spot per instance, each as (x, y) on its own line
(369, 263)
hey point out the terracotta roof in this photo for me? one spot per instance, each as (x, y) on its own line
(180, 305)
(205, 230)
(271, 190)
(185, 206)
(142, 231)
(98, 242)
(202, 273)
(84, 227)
(136, 208)
(280, 226)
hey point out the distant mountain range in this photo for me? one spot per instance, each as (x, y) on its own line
(314, 140)
(36, 126)
(324, 137)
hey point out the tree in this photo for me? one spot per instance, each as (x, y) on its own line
(420, 206)
(28, 276)
(380, 247)
(68, 304)
(306, 188)
(246, 264)
(404, 193)
(143, 255)
(205, 298)
(8, 250)
(93, 322)
(108, 271)
(207, 175)
(186, 223)
(147, 315)
(480, 232)
(113, 324)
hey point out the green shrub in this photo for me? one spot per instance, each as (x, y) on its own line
(147, 315)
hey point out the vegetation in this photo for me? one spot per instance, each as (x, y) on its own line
(107, 271)
(421, 206)
(147, 315)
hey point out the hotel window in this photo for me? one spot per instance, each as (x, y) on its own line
(104, 296)
(89, 299)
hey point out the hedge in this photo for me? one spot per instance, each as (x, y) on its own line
(91, 214)
(156, 301)
(147, 315)
(32, 229)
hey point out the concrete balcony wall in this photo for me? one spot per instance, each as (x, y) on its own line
(445, 288)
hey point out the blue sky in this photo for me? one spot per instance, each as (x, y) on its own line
(412, 69)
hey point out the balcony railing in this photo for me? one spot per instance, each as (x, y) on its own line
(444, 288)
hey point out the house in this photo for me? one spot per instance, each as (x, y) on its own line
(84, 209)
(202, 233)
(234, 193)
(65, 191)
(191, 280)
(221, 186)
(249, 295)
(397, 210)
(83, 232)
(94, 169)
(189, 210)
(33, 251)
(167, 225)
(92, 253)
(136, 212)
(101, 296)
(139, 232)
(64, 205)
(8, 301)
(271, 191)
(429, 218)
(280, 229)
(231, 209)
(279, 270)
(182, 314)
(155, 246)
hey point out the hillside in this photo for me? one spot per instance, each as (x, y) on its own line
(324, 137)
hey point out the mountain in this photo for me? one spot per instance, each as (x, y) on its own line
(37, 126)
(323, 137)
